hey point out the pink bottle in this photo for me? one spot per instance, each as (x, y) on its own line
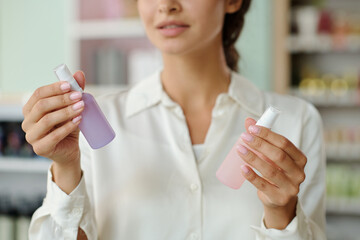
(229, 172)
(94, 126)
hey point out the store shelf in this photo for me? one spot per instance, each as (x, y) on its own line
(103, 29)
(29, 165)
(98, 90)
(11, 112)
(322, 44)
(11, 107)
(343, 161)
(328, 100)
(347, 153)
(343, 206)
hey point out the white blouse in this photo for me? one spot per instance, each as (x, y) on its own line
(148, 184)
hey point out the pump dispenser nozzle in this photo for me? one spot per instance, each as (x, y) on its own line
(63, 74)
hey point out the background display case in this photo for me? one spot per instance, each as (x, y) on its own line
(317, 58)
(310, 49)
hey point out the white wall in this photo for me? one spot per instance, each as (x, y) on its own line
(32, 43)
(255, 45)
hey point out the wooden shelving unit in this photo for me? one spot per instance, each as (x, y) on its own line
(335, 110)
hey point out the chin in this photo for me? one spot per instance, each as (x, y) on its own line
(174, 47)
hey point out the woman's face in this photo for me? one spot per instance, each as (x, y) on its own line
(182, 26)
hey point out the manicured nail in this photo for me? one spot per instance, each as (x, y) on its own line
(75, 120)
(78, 105)
(254, 129)
(245, 169)
(65, 87)
(247, 137)
(242, 149)
(75, 95)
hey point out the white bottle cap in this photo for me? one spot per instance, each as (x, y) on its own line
(268, 118)
(63, 74)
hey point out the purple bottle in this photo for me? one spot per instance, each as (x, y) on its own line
(94, 126)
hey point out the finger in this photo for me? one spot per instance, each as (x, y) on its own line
(272, 153)
(53, 89)
(280, 142)
(80, 78)
(260, 183)
(52, 120)
(47, 144)
(47, 105)
(248, 123)
(267, 170)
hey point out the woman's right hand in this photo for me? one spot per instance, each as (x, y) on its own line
(51, 120)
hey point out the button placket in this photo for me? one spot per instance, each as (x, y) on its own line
(184, 140)
(76, 212)
(57, 231)
(194, 187)
(194, 236)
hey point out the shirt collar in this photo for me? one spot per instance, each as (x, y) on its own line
(149, 92)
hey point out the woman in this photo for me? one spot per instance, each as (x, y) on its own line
(156, 180)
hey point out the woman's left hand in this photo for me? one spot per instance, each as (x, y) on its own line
(279, 184)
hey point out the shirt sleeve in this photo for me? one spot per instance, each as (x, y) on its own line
(61, 215)
(300, 228)
(309, 223)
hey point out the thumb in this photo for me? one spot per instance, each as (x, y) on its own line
(80, 78)
(249, 122)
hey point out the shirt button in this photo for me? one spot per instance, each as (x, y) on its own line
(183, 146)
(194, 187)
(179, 112)
(57, 230)
(194, 236)
(76, 212)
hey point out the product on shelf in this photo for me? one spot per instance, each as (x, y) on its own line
(15, 215)
(325, 29)
(12, 141)
(343, 188)
(107, 9)
(329, 89)
(343, 143)
(110, 66)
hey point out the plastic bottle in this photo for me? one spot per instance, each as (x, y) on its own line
(94, 126)
(229, 172)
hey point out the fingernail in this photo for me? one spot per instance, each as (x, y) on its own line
(78, 105)
(65, 86)
(75, 95)
(75, 120)
(245, 169)
(247, 137)
(254, 129)
(242, 149)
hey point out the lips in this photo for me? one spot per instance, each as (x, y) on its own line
(172, 28)
(171, 24)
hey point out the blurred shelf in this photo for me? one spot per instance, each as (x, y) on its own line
(343, 160)
(11, 107)
(343, 206)
(326, 99)
(343, 152)
(322, 44)
(107, 29)
(11, 112)
(97, 90)
(28, 165)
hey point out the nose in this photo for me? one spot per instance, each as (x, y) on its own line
(169, 6)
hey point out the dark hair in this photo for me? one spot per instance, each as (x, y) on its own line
(233, 25)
